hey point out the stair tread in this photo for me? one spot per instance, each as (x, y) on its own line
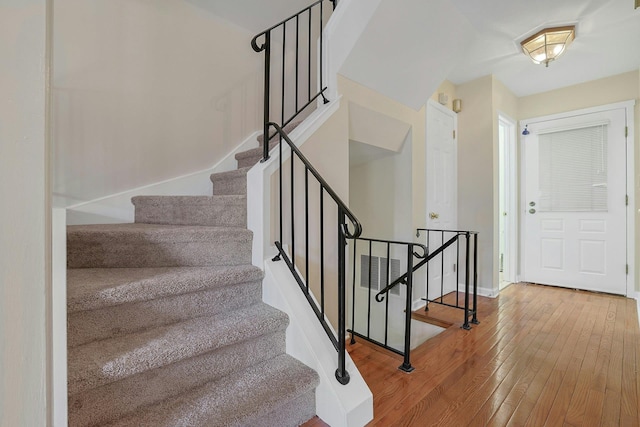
(239, 399)
(117, 399)
(101, 362)
(95, 288)
(250, 153)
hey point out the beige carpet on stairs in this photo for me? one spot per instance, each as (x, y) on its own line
(166, 326)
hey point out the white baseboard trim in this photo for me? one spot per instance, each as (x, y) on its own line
(117, 208)
(486, 292)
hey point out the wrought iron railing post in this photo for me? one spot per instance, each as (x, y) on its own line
(466, 286)
(341, 373)
(406, 364)
(475, 320)
(267, 94)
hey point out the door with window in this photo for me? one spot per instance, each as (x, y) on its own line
(574, 202)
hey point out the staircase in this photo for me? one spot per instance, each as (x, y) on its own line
(166, 326)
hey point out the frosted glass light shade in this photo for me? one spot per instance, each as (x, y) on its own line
(546, 45)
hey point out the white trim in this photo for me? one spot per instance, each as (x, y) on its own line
(629, 107)
(59, 316)
(513, 222)
(339, 405)
(486, 292)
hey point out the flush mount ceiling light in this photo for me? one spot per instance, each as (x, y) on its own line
(546, 45)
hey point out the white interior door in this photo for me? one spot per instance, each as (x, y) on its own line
(442, 190)
(574, 209)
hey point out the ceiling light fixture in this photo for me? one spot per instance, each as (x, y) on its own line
(548, 44)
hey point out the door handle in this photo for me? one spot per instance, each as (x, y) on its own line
(532, 211)
(433, 215)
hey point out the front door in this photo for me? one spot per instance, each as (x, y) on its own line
(442, 194)
(574, 208)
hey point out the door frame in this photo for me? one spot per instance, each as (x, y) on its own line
(629, 107)
(511, 176)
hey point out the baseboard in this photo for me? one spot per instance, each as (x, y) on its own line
(117, 208)
(486, 292)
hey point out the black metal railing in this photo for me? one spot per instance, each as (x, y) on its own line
(312, 224)
(376, 263)
(296, 78)
(445, 269)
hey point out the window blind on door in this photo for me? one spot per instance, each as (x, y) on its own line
(573, 170)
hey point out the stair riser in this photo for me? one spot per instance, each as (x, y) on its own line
(234, 250)
(110, 322)
(228, 215)
(249, 161)
(107, 403)
(231, 186)
(292, 414)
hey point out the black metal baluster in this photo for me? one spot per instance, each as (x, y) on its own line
(386, 282)
(369, 295)
(426, 307)
(466, 287)
(321, 88)
(309, 64)
(341, 373)
(267, 94)
(458, 270)
(406, 364)
(293, 230)
(284, 54)
(280, 184)
(322, 248)
(353, 293)
(306, 224)
(442, 268)
(475, 279)
(297, 57)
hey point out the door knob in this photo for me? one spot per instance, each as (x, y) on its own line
(433, 215)
(532, 203)
(532, 211)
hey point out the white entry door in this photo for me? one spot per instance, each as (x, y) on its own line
(574, 209)
(442, 191)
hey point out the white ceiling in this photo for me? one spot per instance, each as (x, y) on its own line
(410, 46)
(607, 41)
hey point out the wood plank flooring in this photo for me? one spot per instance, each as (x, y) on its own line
(542, 356)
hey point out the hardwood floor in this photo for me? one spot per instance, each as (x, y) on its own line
(542, 356)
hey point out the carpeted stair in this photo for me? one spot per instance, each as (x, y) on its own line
(166, 326)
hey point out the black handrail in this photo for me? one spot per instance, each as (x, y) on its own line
(343, 233)
(295, 22)
(368, 335)
(427, 258)
(468, 286)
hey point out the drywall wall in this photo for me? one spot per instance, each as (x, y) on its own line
(25, 218)
(380, 192)
(477, 173)
(355, 93)
(622, 87)
(146, 91)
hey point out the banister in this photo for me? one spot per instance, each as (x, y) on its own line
(354, 221)
(426, 259)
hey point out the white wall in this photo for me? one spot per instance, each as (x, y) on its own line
(145, 91)
(24, 217)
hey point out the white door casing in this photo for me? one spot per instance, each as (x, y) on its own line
(574, 235)
(442, 190)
